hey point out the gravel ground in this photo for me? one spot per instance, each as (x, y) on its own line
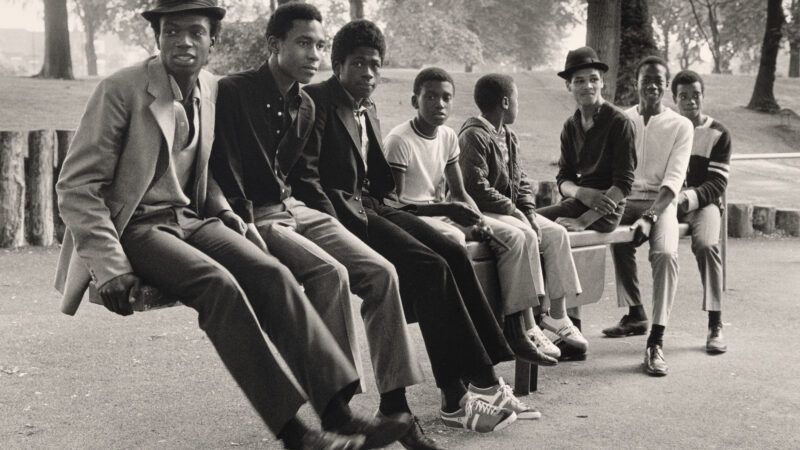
(99, 381)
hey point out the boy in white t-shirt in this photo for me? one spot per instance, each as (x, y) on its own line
(423, 154)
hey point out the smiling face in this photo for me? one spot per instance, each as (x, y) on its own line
(185, 42)
(651, 82)
(689, 99)
(434, 101)
(300, 51)
(360, 72)
(586, 86)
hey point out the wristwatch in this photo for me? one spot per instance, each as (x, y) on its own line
(651, 216)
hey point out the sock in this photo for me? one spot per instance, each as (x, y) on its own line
(637, 312)
(452, 393)
(394, 402)
(558, 309)
(514, 327)
(714, 318)
(484, 378)
(292, 433)
(656, 335)
(337, 413)
(576, 322)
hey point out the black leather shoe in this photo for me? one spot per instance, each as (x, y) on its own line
(628, 326)
(415, 438)
(715, 343)
(524, 349)
(324, 440)
(379, 432)
(570, 353)
(654, 363)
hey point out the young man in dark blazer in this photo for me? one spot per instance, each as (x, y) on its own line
(264, 122)
(437, 283)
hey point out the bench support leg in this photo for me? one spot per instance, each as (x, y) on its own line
(526, 378)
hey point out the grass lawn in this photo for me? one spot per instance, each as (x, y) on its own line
(544, 105)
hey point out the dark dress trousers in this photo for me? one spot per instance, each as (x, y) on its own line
(437, 282)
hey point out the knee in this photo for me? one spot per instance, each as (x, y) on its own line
(381, 268)
(703, 247)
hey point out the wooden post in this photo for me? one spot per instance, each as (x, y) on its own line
(13, 149)
(764, 218)
(740, 220)
(39, 187)
(788, 220)
(64, 139)
(547, 194)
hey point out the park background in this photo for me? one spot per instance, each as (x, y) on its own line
(153, 381)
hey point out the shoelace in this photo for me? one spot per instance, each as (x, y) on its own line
(539, 338)
(479, 406)
(506, 391)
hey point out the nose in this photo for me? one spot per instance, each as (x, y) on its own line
(184, 40)
(316, 54)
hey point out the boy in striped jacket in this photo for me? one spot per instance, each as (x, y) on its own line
(699, 203)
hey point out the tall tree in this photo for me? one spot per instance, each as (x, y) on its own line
(96, 17)
(603, 22)
(129, 25)
(793, 35)
(707, 12)
(667, 15)
(356, 9)
(688, 43)
(763, 98)
(57, 56)
(636, 42)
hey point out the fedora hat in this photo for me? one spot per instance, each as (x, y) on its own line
(178, 6)
(581, 58)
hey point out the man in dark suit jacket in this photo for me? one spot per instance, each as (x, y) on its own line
(264, 122)
(139, 205)
(437, 283)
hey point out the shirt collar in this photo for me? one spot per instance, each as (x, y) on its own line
(176, 90)
(272, 92)
(489, 125)
(599, 114)
(363, 105)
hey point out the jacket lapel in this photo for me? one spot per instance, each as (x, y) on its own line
(344, 110)
(162, 109)
(207, 116)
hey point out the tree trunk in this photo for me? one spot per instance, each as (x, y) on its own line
(57, 56)
(64, 138)
(602, 34)
(794, 59)
(763, 98)
(12, 188)
(636, 37)
(356, 9)
(91, 54)
(39, 187)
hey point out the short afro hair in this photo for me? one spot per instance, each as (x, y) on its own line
(651, 60)
(431, 74)
(687, 77)
(490, 90)
(282, 20)
(355, 34)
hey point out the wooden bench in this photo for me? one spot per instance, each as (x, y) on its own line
(589, 253)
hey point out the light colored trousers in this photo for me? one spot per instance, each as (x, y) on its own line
(704, 224)
(520, 270)
(329, 261)
(663, 243)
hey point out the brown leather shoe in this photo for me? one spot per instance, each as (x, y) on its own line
(525, 350)
(628, 326)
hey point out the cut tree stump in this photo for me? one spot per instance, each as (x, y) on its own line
(39, 187)
(740, 220)
(764, 218)
(547, 194)
(788, 220)
(13, 146)
(64, 139)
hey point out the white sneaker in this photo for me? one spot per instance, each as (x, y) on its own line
(502, 396)
(566, 332)
(478, 415)
(544, 344)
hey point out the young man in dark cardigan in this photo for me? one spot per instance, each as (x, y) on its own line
(438, 285)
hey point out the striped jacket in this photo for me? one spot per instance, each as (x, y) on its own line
(709, 165)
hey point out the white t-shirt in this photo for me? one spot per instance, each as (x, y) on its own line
(423, 160)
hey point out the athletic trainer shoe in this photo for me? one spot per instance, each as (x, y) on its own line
(502, 396)
(477, 415)
(566, 331)
(654, 363)
(715, 343)
(544, 344)
(628, 326)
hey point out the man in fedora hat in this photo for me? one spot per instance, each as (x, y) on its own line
(597, 153)
(495, 179)
(140, 207)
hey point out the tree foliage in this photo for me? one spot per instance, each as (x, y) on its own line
(729, 28)
(96, 17)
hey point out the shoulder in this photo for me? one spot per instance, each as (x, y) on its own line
(399, 131)
(127, 79)
(238, 80)
(718, 126)
(683, 124)
(316, 91)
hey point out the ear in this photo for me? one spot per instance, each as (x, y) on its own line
(273, 44)
(505, 103)
(414, 101)
(569, 85)
(213, 41)
(337, 68)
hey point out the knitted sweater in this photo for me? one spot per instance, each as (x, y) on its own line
(709, 164)
(663, 147)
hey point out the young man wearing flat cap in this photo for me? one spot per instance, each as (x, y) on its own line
(140, 207)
